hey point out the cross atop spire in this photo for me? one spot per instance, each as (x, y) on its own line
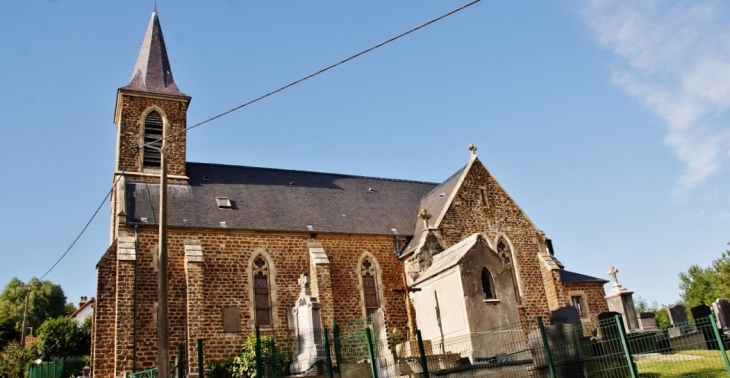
(152, 73)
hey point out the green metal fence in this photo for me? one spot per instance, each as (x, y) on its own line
(52, 369)
(356, 348)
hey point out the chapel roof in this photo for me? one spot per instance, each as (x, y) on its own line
(152, 72)
(568, 276)
(281, 200)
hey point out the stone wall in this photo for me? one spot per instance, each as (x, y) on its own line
(103, 330)
(500, 216)
(199, 290)
(594, 295)
(132, 107)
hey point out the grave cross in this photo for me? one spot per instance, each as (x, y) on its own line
(612, 272)
(406, 290)
(304, 283)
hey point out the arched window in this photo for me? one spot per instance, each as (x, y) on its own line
(261, 291)
(152, 138)
(508, 258)
(369, 286)
(488, 284)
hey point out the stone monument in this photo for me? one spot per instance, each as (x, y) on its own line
(722, 312)
(307, 328)
(677, 315)
(620, 300)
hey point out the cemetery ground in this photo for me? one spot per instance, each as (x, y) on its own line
(681, 364)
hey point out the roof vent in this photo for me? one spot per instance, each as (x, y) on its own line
(223, 202)
(144, 219)
(205, 178)
(224, 224)
(292, 184)
(371, 190)
(442, 194)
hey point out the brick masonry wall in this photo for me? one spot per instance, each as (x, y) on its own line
(594, 293)
(226, 282)
(131, 108)
(500, 217)
(104, 325)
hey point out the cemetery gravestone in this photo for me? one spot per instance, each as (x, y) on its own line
(677, 315)
(700, 315)
(722, 311)
(700, 312)
(565, 315)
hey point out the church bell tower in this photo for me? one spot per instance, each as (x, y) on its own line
(149, 109)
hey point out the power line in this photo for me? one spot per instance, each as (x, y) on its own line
(293, 83)
(87, 223)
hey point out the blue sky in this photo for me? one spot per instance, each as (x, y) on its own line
(606, 121)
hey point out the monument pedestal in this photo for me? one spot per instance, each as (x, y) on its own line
(310, 349)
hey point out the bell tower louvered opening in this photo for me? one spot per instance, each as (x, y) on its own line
(153, 125)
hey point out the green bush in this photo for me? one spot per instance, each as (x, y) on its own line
(245, 363)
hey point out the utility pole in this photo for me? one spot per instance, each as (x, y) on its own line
(25, 316)
(163, 325)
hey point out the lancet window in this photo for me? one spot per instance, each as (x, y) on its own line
(369, 285)
(152, 140)
(261, 291)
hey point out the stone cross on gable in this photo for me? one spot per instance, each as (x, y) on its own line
(425, 216)
(612, 272)
(473, 149)
(304, 283)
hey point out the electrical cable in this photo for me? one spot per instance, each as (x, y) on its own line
(87, 223)
(293, 83)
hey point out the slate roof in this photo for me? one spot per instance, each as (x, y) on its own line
(283, 200)
(568, 276)
(436, 203)
(448, 258)
(152, 72)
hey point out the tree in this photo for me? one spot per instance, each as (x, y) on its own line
(705, 285)
(15, 359)
(63, 337)
(46, 300)
(661, 316)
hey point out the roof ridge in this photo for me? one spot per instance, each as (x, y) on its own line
(314, 172)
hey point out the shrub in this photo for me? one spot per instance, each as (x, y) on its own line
(245, 363)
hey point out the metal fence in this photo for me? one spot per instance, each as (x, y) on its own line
(52, 369)
(356, 348)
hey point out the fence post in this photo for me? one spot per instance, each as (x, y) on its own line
(422, 352)
(338, 347)
(625, 346)
(201, 366)
(272, 347)
(719, 342)
(371, 353)
(259, 368)
(546, 347)
(327, 354)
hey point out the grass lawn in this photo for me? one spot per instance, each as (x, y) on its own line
(704, 363)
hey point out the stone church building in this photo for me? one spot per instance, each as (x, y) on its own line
(240, 237)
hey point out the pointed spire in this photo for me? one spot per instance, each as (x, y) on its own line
(152, 73)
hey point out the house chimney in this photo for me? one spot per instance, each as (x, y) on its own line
(82, 301)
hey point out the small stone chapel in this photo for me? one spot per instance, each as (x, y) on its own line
(240, 238)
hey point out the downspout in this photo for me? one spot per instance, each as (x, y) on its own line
(134, 301)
